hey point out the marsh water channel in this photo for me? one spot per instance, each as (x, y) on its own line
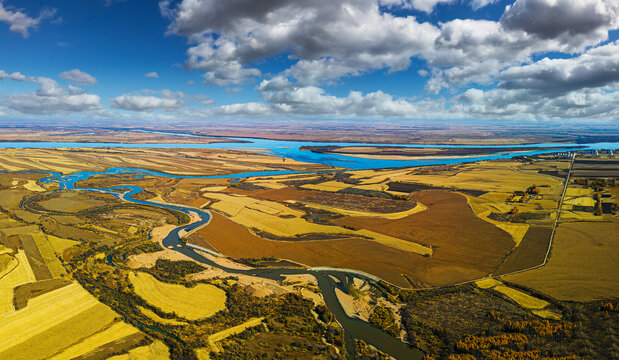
(328, 279)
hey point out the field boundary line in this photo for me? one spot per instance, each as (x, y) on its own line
(552, 234)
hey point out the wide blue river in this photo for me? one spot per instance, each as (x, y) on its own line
(354, 328)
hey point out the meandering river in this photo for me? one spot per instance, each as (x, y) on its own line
(354, 328)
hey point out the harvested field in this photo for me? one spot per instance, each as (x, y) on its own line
(19, 273)
(358, 203)
(49, 256)
(25, 292)
(151, 314)
(194, 303)
(113, 339)
(369, 256)
(487, 283)
(155, 351)
(332, 186)
(464, 246)
(181, 161)
(493, 176)
(6, 261)
(37, 263)
(275, 221)
(42, 323)
(529, 253)
(232, 331)
(582, 263)
(284, 194)
(525, 300)
(60, 244)
(70, 202)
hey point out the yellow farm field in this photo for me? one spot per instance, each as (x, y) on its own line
(60, 244)
(266, 216)
(521, 298)
(580, 201)
(396, 243)
(113, 333)
(392, 216)
(482, 209)
(488, 283)
(155, 351)
(151, 314)
(194, 303)
(213, 339)
(30, 185)
(582, 265)
(332, 186)
(488, 176)
(18, 273)
(49, 256)
(52, 322)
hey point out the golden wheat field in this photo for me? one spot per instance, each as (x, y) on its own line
(18, 272)
(155, 351)
(194, 303)
(582, 265)
(115, 332)
(41, 330)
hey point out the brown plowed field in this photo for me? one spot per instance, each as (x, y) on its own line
(465, 247)
(529, 253)
(236, 241)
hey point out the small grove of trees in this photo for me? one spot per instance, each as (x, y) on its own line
(383, 318)
(540, 327)
(475, 343)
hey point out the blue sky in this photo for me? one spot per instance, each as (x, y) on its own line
(323, 59)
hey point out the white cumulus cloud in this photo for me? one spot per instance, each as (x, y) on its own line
(79, 77)
(20, 22)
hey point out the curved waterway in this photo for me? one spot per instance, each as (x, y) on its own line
(353, 328)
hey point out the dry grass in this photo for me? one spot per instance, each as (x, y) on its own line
(517, 231)
(267, 216)
(332, 186)
(547, 314)
(399, 244)
(60, 244)
(487, 283)
(113, 333)
(49, 256)
(155, 351)
(52, 322)
(194, 303)
(521, 298)
(232, 331)
(464, 246)
(19, 272)
(495, 176)
(151, 314)
(30, 185)
(582, 265)
(173, 161)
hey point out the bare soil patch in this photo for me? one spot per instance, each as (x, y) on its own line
(28, 291)
(464, 246)
(529, 253)
(236, 241)
(37, 263)
(358, 202)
